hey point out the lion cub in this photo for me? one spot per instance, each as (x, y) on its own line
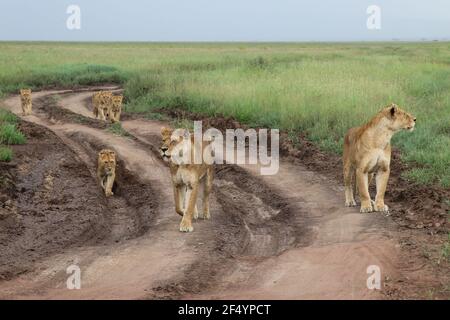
(101, 102)
(367, 150)
(106, 170)
(187, 178)
(25, 98)
(116, 108)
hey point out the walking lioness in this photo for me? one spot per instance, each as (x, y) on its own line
(25, 99)
(186, 179)
(367, 150)
(106, 170)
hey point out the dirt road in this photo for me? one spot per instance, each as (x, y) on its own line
(286, 236)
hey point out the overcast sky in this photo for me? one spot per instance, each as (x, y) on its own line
(224, 20)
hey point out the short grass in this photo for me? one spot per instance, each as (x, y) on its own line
(117, 129)
(321, 89)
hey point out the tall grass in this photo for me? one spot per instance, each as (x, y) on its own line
(9, 134)
(320, 89)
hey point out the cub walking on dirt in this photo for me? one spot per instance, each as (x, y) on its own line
(101, 102)
(186, 179)
(106, 170)
(25, 98)
(367, 150)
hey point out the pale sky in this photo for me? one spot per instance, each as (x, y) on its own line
(224, 20)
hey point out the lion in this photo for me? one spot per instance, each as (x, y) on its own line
(25, 98)
(367, 150)
(187, 178)
(106, 170)
(101, 102)
(116, 108)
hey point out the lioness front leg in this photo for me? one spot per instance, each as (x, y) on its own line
(363, 188)
(101, 113)
(381, 181)
(109, 185)
(186, 222)
(186, 202)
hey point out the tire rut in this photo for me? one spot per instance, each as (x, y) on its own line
(239, 231)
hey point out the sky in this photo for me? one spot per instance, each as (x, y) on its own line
(224, 20)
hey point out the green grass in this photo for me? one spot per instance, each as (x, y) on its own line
(117, 129)
(6, 154)
(318, 88)
(9, 134)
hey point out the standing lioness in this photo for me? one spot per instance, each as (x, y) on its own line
(187, 178)
(367, 150)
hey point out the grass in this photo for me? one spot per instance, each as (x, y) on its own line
(116, 128)
(9, 134)
(317, 88)
(6, 154)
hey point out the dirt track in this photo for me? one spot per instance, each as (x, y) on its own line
(286, 236)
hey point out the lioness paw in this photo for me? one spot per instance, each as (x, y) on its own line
(351, 203)
(186, 226)
(366, 209)
(381, 208)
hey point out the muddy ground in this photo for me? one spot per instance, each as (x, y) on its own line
(286, 236)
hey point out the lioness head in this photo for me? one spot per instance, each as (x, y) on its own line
(117, 103)
(170, 140)
(25, 93)
(399, 119)
(107, 158)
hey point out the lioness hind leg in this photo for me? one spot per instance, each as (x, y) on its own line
(178, 192)
(381, 181)
(206, 192)
(349, 173)
(362, 181)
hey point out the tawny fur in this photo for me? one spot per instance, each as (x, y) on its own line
(26, 102)
(101, 102)
(116, 108)
(106, 170)
(367, 151)
(186, 180)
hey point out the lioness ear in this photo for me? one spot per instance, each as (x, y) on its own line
(393, 109)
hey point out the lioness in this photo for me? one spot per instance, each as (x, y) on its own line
(186, 179)
(25, 98)
(101, 102)
(106, 170)
(367, 150)
(116, 108)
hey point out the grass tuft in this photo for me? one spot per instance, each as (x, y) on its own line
(6, 154)
(9, 134)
